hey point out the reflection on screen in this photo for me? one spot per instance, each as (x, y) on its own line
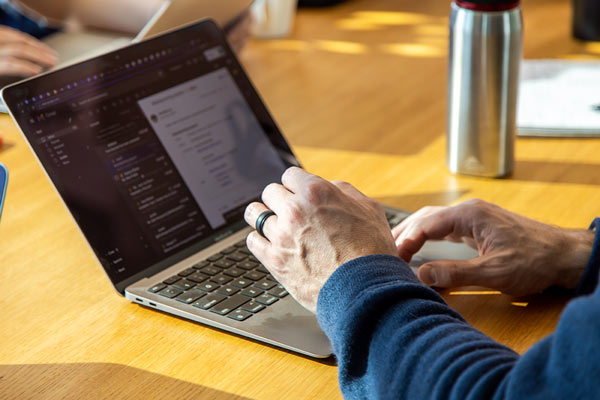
(215, 141)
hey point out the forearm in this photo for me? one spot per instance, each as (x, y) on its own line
(119, 15)
(395, 338)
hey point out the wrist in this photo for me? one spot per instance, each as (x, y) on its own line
(576, 255)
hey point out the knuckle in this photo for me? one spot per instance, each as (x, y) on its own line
(293, 213)
(269, 188)
(288, 172)
(316, 192)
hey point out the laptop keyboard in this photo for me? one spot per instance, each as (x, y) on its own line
(231, 283)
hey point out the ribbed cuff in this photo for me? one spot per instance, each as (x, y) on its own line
(589, 280)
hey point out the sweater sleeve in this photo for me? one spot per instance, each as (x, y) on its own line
(589, 280)
(395, 338)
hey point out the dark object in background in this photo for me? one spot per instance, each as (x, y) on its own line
(318, 3)
(586, 19)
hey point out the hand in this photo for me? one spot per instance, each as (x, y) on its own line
(23, 55)
(517, 255)
(318, 226)
(239, 33)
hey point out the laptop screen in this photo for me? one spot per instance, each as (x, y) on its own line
(156, 149)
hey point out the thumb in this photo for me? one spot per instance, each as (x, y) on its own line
(452, 273)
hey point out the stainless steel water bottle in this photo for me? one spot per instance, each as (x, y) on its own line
(485, 52)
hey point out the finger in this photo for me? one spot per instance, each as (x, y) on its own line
(294, 179)
(13, 66)
(259, 246)
(14, 36)
(453, 273)
(26, 51)
(275, 197)
(413, 219)
(251, 215)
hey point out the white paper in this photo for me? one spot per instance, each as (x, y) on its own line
(559, 98)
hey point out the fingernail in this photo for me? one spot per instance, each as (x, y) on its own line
(430, 276)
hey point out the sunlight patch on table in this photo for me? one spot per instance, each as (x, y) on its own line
(337, 46)
(474, 292)
(519, 304)
(413, 50)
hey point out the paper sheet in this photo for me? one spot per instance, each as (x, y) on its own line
(559, 98)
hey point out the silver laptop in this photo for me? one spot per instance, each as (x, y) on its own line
(78, 46)
(73, 47)
(156, 149)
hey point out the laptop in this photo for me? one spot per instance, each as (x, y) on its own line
(156, 149)
(77, 46)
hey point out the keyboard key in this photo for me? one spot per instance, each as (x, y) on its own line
(235, 272)
(255, 276)
(215, 257)
(270, 277)
(227, 290)
(197, 277)
(186, 272)
(210, 270)
(221, 279)
(247, 265)
(171, 280)
(252, 258)
(170, 292)
(252, 307)
(264, 284)
(201, 264)
(223, 263)
(240, 315)
(241, 283)
(208, 286)
(266, 299)
(157, 287)
(207, 302)
(245, 251)
(190, 296)
(230, 304)
(262, 269)
(229, 250)
(237, 257)
(184, 284)
(241, 243)
(251, 292)
(278, 291)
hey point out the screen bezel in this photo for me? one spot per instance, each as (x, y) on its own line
(12, 95)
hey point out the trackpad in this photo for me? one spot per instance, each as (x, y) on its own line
(442, 250)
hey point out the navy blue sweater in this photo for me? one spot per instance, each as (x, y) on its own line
(395, 338)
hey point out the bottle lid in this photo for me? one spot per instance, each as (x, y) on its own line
(488, 5)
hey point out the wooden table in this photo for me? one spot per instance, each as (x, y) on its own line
(359, 90)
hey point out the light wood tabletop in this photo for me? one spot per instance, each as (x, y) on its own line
(359, 91)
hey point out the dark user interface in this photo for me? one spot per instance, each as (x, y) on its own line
(153, 148)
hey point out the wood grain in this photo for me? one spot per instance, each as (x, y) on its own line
(359, 91)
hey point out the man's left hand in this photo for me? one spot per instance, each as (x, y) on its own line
(318, 226)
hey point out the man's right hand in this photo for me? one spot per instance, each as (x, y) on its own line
(23, 55)
(517, 255)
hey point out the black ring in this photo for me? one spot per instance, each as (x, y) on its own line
(260, 221)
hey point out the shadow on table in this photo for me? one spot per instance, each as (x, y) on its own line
(557, 172)
(413, 202)
(97, 381)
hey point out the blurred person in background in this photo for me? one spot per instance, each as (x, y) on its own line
(24, 23)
